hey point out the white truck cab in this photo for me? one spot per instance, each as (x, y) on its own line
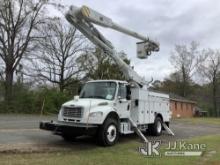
(96, 100)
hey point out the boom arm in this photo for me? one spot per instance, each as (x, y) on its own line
(82, 18)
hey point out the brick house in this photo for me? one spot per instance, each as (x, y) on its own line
(181, 107)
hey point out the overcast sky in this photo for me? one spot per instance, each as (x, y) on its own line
(169, 22)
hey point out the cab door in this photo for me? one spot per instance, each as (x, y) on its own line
(123, 102)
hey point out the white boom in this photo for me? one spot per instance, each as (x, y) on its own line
(83, 19)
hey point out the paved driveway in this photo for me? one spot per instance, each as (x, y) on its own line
(20, 133)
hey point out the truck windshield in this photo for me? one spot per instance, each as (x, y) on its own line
(101, 90)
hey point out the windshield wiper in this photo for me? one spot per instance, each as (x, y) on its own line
(93, 97)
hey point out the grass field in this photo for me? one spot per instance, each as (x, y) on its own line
(120, 154)
(211, 121)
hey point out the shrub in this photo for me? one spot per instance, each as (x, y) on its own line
(42, 100)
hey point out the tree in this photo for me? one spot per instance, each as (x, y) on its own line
(171, 84)
(185, 60)
(19, 19)
(58, 51)
(97, 65)
(210, 70)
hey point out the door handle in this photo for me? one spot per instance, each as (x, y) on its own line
(128, 107)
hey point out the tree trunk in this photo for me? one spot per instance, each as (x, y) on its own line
(184, 81)
(8, 84)
(214, 89)
(61, 86)
(214, 103)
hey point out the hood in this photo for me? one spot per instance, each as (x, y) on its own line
(87, 102)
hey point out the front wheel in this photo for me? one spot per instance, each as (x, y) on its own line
(108, 133)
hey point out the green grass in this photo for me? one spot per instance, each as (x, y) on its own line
(209, 120)
(123, 153)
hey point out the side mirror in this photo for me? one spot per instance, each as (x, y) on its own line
(80, 88)
(76, 98)
(128, 97)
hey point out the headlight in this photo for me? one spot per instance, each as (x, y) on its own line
(96, 114)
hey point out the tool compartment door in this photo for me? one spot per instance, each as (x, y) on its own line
(139, 106)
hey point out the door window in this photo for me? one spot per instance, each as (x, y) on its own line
(122, 92)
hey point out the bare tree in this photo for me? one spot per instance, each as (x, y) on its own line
(18, 21)
(210, 70)
(185, 60)
(97, 65)
(58, 52)
(90, 61)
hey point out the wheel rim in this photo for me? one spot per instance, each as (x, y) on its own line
(111, 133)
(159, 126)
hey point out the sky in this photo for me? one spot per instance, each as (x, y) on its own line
(169, 22)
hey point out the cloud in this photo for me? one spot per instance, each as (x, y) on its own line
(168, 21)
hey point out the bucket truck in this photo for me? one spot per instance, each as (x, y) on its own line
(108, 108)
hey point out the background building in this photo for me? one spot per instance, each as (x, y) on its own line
(181, 107)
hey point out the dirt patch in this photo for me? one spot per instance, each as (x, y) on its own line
(30, 148)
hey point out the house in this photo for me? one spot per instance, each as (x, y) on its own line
(181, 107)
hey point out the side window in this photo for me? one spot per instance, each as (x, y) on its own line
(122, 92)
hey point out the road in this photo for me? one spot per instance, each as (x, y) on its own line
(20, 133)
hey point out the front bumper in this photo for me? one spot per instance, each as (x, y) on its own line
(60, 128)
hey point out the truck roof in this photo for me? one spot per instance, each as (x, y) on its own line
(117, 81)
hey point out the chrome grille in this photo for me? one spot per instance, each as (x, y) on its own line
(75, 112)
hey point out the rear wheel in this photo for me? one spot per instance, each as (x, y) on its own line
(156, 128)
(108, 133)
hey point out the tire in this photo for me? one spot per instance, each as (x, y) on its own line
(108, 133)
(69, 137)
(156, 128)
